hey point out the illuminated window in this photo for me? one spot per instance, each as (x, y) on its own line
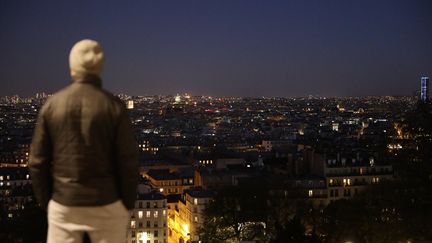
(148, 214)
(375, 180)
(344, 182)
(155, 214)
(195, 201)
(196, 219)
(133, 224)
(27, 176)
(1, 178)
(331, 182)
(164, 212)
(310, 193)
(140, 214)
(349, 182)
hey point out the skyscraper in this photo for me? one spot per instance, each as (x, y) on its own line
(424, 90)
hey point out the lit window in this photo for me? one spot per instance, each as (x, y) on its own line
(148, 214)
(133, 224)
(140, 214)
(27, 176)
(164, 212)
(196, 219)
(349, 182)
(155, 214)
(142, 236)
(331, 182)
(310, 193)
(344, 182)
(1, 178)
(375, 180)
(195, 201)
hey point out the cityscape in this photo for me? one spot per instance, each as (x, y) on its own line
(244, 169)
(252, 121)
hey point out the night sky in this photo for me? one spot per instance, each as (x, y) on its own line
(222, 48)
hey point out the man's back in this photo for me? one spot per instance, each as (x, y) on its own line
(82, 120)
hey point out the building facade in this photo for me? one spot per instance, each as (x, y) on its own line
(188, 216)
(424, 89)
(348, 181)
(148, 222)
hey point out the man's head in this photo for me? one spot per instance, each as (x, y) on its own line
(86, 57)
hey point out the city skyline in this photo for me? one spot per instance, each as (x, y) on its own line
(230, 48)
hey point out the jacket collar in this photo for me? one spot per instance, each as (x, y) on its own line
(88, 79)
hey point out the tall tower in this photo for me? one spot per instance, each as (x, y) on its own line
(424, 90)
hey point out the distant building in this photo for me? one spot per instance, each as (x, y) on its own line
(130, 104)
(15, 190)
(186, 219)
(148, 221)
(424, 90)
(346, 178)
(170, 182)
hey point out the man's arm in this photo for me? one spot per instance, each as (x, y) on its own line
(40, 161)
(126, 160)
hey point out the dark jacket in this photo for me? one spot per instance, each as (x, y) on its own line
(83, 151)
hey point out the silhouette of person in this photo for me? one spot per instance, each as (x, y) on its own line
(83, 157)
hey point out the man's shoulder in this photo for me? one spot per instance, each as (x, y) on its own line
(59, 94)
(113, 98)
